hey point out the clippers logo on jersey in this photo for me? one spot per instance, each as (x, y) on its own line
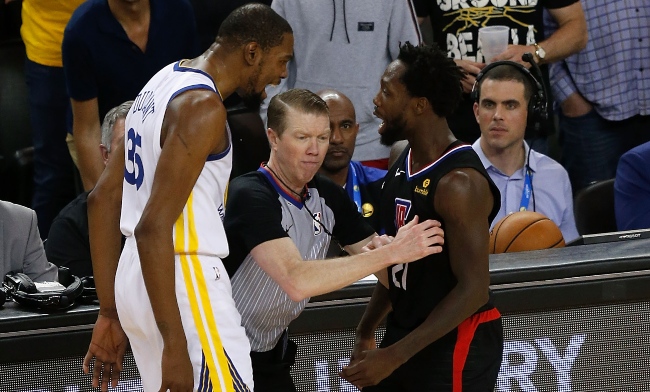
(318, 226)
(144, 103)
(133, 168)
(402, 209)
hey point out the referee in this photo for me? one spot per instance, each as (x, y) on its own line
(281, 217)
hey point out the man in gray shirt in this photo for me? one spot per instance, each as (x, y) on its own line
(282, 217)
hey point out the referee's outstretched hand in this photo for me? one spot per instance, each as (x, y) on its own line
(416, 240)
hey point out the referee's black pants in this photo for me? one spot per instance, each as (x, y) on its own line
(271, 369)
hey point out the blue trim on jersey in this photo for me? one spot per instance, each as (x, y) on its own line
(211, 157)
(179, 68)
(214, 157)
(288, 196)
(435, 163)
(192, 87)
(238, 384)
(205, 385)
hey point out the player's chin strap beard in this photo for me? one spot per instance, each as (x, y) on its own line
(303, 198)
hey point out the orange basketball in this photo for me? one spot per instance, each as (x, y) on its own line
(525, 230)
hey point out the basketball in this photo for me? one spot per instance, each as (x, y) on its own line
(525, 230)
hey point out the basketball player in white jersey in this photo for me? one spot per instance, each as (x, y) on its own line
(171, 294)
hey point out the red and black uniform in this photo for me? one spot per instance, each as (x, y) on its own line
(467, 358)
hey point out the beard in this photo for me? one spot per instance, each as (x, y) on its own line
(251, 98)
(393, 131)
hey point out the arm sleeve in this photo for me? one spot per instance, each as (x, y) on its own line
(403, 27)
(253, 214)
(632, 192)
(77, 67)
(35, 264)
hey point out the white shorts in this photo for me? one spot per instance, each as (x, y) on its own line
(216, 341)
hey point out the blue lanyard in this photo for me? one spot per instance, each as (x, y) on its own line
(352, 186)
(525, 194)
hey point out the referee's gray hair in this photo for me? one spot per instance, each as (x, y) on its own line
(110, 119)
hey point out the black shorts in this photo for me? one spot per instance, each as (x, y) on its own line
(272, 369)
(467, 359)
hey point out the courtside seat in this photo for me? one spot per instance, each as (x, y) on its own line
(593, 208)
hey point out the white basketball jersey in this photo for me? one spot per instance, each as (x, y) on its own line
(199, 229)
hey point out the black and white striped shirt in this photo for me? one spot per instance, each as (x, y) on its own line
(259, 210)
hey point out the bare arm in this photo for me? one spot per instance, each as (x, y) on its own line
(302, 279)
(194, 126)
(569, 38)
(464, 200)
(108, 342)
(87, 136)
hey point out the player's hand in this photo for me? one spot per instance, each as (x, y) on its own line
(362, 344)
(377, 242)
(416, 240)
(177, 372)
(514, 53)
(106, 352)
(471, 68)
(369, 368)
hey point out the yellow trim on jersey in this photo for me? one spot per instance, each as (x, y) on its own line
(225, 194)
(200, 305)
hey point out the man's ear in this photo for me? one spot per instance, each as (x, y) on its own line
(476, 111)
(252, 53)
(273, 138)
(420, 105)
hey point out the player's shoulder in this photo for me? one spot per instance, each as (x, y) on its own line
(247, 185)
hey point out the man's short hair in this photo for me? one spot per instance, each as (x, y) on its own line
(110, 119)
(431, 74)
(506, 72)
(253, 23)
(298, 99)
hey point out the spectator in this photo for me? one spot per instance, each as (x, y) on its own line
(632, 189)
(507, 99)
(273, 270)
(21, 248)
(68, 244)
(110, 50)
(362, 183)
(42, 28)
(346, 46)
(455, 28)
(603, 90)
